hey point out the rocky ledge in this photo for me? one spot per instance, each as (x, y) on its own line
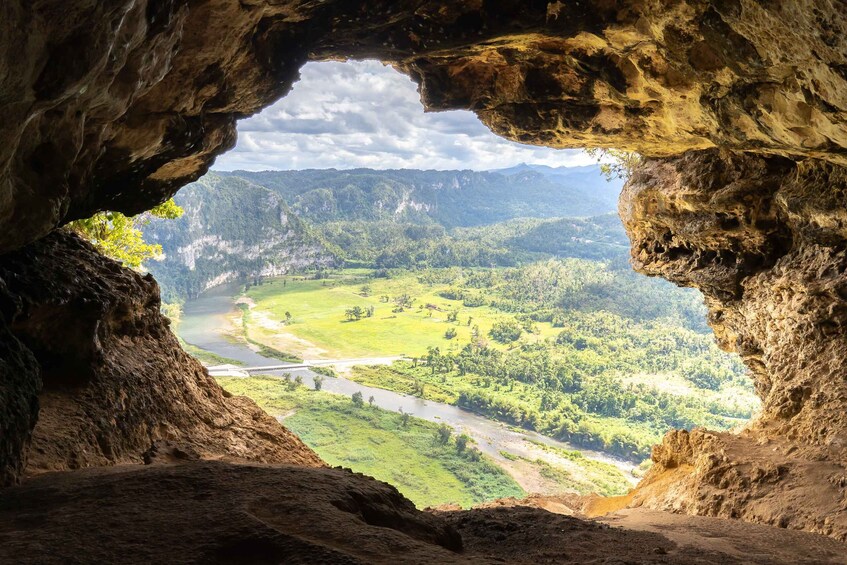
(214, 512)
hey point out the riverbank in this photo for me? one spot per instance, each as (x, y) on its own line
(204, 324)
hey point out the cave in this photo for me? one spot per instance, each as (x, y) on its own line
(738, 108)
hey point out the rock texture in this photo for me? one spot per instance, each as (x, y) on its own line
(117, 387)
(115, 105)
(764, 238)
(223, 513)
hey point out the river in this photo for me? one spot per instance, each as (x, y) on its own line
(205, 320)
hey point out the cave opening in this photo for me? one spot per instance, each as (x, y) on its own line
(461, 351)
(111, 435)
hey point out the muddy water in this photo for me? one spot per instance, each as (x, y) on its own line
(203, 325)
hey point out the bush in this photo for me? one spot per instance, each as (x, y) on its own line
(506, 331)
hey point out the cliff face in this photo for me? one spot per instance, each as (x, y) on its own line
(231, 229)
(740, 104)
(764, 239)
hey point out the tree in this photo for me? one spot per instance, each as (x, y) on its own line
(319, 382)
(173, 311)
(461, 443)
(404, 419)
(618, 163)
(450, 333)
(120, 237)
(505, 331)
(357, 399)
(289, 384)
(444, 433)
(298, 381)
(354, 314)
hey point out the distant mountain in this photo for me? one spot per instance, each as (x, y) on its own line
(232, 229)
(241, 224)
(449, 198)
(588, 177)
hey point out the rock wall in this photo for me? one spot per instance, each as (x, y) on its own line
(764, 238)
(115, 105)
(117, 387)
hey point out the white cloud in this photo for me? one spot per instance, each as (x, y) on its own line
(364, 114)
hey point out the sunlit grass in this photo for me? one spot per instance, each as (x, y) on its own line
(318, 310)
(375, 442)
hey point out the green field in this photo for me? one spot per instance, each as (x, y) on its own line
(375, 442)
(319, 328)
(574, 349)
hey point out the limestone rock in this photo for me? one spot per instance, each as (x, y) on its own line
(116, 105)
(764, 239)
(116, 383)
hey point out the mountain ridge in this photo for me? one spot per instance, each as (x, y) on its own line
(241, 224)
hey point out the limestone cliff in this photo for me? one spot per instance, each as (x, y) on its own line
(764, 239)
(231, 229)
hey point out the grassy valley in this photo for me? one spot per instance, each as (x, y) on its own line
(507, 294)
(552, 346)
(406, 452)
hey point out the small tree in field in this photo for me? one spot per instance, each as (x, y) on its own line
(357, 399)
(354, 314)
(444, 433)
(461, 443)
(319, 382)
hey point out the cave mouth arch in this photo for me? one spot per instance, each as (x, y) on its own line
(606, 361)
(741, 196)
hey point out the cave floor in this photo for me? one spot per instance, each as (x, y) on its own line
(216, 512)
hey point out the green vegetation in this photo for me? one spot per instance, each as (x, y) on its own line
(120, 237)
(231, 226)
(602, 478)
(578, 351)
(411, 456)
(207, 357)
(309, 221)
(501, 301)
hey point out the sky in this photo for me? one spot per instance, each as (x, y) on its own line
(365, 114)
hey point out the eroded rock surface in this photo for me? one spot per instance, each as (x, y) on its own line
(117, 387)
(115, 105)
(765, 239)
(213, 512)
